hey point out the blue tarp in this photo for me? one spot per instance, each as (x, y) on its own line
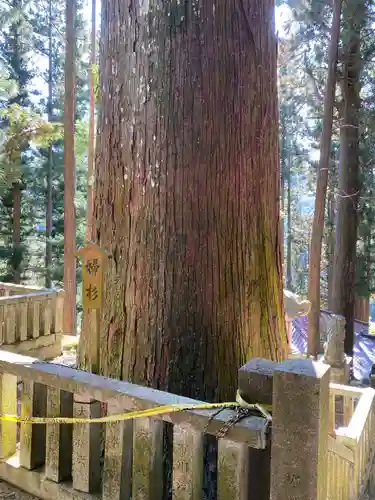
(364, 347)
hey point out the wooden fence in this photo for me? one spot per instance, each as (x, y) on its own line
(31, 320)
(351, 443)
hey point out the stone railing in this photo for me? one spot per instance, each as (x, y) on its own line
(64, 461)
(31, 320)
(326, 436)
(166, 454)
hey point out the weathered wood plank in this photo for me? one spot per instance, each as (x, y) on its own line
(348, 404)
(45, 316)
(58, 309)
(86, 446)
(233, 470)
(361, 414)
(8, 405)
(332, 414)
(59, 436)
(10, 324)
(251, 431)
(148, 459)
(33, 437)
(187, 478)
(21, 289)
(117, 471)
(2, 325)
(14, 299)
(33, 318)
(22, 321)
(345, 390)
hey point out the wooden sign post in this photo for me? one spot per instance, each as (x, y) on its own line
(93, 262)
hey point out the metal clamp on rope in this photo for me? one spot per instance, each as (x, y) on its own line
(264, 410)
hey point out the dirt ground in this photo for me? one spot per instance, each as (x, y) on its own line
(9, 493)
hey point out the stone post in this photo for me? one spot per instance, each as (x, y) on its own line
(255, 380)
(334, 354)
(372, 377)
(300, 430)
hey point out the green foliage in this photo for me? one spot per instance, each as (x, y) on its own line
(31, 133)
(95, 77)
(303, 69)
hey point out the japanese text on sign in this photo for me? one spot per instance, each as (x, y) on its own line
(92, 276)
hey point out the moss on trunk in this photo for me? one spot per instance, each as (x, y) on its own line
(186, 194)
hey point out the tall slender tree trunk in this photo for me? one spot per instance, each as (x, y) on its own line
(330, 245)
(283, 155)
(289, 278)
(347, 204)
(48, 263)
(187, 193)
(361, 308)
(321, 188)
(91, 153)
(16, 188)
(69, 175)
(90, 319)
(17, 232)
(330, 234)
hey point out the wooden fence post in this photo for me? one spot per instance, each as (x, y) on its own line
(300, 430)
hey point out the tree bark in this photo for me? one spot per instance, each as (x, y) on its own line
(283, 156)
(344, 274)
(69, 175)
(17, 232)
(362, 308)
(48, 262)
(289, 279)
(330, 246)
(90, 319)
(187, 193)
(18, 70)
(321, 188)
(91, 152)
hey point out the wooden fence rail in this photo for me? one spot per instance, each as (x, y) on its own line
(31, 320)
(352, 442)
(61, 460)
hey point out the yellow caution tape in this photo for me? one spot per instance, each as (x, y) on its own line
(153, 412)
(262, 409)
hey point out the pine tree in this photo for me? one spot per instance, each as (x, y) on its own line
(321, 188)
(344, 271)
(15, 50)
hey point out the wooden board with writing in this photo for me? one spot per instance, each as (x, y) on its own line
(93, 258)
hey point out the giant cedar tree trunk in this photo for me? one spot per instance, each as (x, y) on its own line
(313, 347)
(347, 217)
(187, 193)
